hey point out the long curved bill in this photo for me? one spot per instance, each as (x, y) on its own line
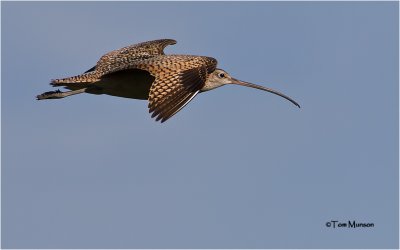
(251, 85)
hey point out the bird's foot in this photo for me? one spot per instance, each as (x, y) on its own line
(50, 95)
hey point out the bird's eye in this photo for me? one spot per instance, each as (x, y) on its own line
(221, 75)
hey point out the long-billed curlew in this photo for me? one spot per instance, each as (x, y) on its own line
(142, 71)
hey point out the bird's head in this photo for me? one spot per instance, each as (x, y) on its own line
(220, 77)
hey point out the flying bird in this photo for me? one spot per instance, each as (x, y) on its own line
(142, 71)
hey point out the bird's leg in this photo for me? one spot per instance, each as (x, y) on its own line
(58, 94)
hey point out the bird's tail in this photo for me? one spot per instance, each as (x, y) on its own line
(89, 77)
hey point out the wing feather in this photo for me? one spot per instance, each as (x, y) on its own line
(121, 59)
(180, 105)
(170, 93)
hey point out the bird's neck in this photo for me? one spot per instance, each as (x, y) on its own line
(209, 85)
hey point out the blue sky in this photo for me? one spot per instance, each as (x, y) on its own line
(237, 167)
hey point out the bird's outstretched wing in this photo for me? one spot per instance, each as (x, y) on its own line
(178, 79)
(117, 60)
(120, 59)
(173, 91)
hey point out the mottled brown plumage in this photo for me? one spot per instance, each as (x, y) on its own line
(143, 71)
